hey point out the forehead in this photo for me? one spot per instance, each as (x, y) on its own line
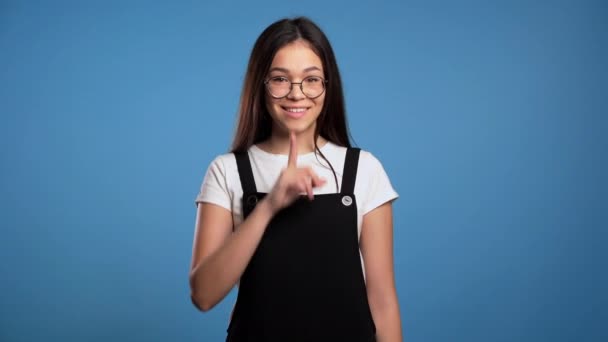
(296, 56)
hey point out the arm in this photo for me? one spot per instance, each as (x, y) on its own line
(219, 257)
(377, 249)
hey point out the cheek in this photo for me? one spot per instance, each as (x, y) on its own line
(320, 102)
(270, 106)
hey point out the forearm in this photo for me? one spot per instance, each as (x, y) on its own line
(388, 321)
(214, 277)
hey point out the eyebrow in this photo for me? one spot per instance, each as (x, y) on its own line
(312, 68)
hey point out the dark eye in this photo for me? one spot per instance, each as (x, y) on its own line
(313, 79)
(279, 80)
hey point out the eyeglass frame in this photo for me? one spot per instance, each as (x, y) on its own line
(291, 86)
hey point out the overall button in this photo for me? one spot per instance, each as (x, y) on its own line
(252, 200)
(347, 200)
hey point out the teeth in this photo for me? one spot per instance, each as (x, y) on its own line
(295, 110)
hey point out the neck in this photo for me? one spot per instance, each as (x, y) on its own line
(279, 143)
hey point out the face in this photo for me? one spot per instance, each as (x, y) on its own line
(296, 112)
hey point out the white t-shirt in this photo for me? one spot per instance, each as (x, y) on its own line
(222, 185)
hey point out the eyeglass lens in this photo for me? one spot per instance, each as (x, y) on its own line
(310, 86)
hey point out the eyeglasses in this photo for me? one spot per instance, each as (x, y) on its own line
(280, 86)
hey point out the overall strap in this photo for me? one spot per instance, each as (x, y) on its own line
(245, 173)
(349, 174)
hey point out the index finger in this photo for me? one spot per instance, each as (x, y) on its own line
(293, 150)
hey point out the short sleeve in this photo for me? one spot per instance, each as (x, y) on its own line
(214, 188)
(376, 185)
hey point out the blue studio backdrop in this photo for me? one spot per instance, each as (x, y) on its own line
(489, 118)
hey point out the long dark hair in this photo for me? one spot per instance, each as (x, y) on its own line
(254, 122)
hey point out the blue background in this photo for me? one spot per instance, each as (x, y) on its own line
(489, 117)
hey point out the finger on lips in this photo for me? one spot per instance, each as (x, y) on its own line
(293, 150)
(309, 179)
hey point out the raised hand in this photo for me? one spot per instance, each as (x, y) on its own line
(293, 181)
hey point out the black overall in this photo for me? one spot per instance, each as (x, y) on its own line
(305, 280)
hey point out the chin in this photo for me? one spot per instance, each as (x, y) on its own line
(296, 127)
(299, 128)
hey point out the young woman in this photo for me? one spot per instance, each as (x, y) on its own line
(296, 216)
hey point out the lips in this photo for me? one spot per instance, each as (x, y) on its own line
(295, 112)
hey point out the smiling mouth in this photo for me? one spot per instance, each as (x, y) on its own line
(295, 112)
(295, 109)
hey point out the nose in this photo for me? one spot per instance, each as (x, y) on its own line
(296, 92)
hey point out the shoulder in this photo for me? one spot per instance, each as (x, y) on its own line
(224, 162)
(222, 169)
(218, 183)
(369, 163)
(373, 184)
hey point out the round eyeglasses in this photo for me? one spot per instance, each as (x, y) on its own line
(280, 86)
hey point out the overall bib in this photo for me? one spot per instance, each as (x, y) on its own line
(305, 280)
